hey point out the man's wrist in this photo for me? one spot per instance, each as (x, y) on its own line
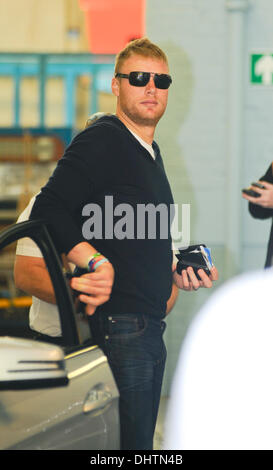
(95, 261)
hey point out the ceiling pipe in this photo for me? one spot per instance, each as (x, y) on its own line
(235, 132)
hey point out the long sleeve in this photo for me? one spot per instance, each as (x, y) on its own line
(261, 212)
(77, 175)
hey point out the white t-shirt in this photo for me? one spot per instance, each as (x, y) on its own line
(43, 316)
(144, 144)
(222, 393)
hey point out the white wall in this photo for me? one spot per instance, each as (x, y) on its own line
(193, 135)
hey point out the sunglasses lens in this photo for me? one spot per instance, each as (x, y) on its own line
(162, 81)
(139, 78)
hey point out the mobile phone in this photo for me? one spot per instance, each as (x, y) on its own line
(258, 185)
(251, 192)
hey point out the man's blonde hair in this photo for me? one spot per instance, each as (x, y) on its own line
(143, 47)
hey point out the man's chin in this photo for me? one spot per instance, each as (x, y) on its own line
(144, 120)
(149, 122)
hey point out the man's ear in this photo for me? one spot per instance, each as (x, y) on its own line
(115, 86)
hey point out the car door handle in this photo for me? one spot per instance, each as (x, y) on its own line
(97, 398)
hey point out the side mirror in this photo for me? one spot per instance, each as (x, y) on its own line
(27, 364)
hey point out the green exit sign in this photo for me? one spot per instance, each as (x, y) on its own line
(262, 69)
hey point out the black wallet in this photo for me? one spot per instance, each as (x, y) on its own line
(196, 256)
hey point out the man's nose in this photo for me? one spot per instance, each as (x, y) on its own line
(150, 87)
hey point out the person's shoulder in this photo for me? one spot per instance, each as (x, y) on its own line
(108, 125)
(106, 131)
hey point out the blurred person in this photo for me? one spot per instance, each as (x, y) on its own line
(129, 280)
(221, 394)
(262, 207)
(31, 275)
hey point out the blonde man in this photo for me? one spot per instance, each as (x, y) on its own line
(92, 201)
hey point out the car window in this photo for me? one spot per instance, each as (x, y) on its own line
(24, 271)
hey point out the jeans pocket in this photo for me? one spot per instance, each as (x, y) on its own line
(123, 326)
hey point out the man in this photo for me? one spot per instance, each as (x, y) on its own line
(261, 207)
(32, 276)
(116, 162)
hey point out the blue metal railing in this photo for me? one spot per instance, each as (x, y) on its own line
(67, 66)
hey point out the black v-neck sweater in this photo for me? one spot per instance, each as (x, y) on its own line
(107, 160)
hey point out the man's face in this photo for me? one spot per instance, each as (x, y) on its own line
(142, 105)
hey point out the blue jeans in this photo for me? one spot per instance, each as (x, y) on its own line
(136, 353)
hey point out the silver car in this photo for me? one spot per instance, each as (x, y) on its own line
(52, 397)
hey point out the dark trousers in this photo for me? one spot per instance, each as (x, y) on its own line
(136, 353)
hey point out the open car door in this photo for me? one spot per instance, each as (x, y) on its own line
(51, 397)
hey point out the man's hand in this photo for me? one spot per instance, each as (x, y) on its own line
(266, 195)
(188, 281)
(95, 287)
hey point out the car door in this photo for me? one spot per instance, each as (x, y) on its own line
(80, 409)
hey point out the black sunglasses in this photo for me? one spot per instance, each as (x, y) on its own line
(161, 80)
